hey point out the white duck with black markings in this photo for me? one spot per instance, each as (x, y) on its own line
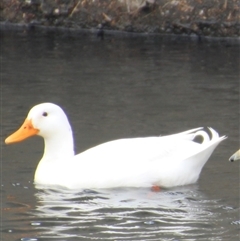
(164, 161)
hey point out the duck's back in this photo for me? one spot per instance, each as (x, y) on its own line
(138, 162)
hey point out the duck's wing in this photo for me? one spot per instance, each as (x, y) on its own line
(167, 161)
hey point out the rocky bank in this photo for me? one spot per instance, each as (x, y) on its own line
(217, 18)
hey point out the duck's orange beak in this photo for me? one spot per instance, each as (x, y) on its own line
(25, 131)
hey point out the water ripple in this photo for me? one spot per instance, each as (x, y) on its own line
(126, 214)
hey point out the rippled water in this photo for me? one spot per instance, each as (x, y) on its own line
(124, 214)
(120, 87)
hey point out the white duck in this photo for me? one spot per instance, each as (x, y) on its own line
(235, 156)
(138, 162)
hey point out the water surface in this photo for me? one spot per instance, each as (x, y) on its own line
(120, 87)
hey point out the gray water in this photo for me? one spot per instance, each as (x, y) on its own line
(120, 87)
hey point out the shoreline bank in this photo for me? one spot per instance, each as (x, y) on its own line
(202, 18)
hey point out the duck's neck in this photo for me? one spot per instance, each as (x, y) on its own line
(59, 147)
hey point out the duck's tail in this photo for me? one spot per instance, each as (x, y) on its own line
(207, 138)
(207, 146)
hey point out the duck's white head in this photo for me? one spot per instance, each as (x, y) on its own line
(47, 120)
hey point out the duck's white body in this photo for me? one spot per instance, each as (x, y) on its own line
(138, 162)
(235, 156)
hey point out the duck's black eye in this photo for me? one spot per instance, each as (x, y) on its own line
(45, 114)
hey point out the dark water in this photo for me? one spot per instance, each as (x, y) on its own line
(120, 87)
